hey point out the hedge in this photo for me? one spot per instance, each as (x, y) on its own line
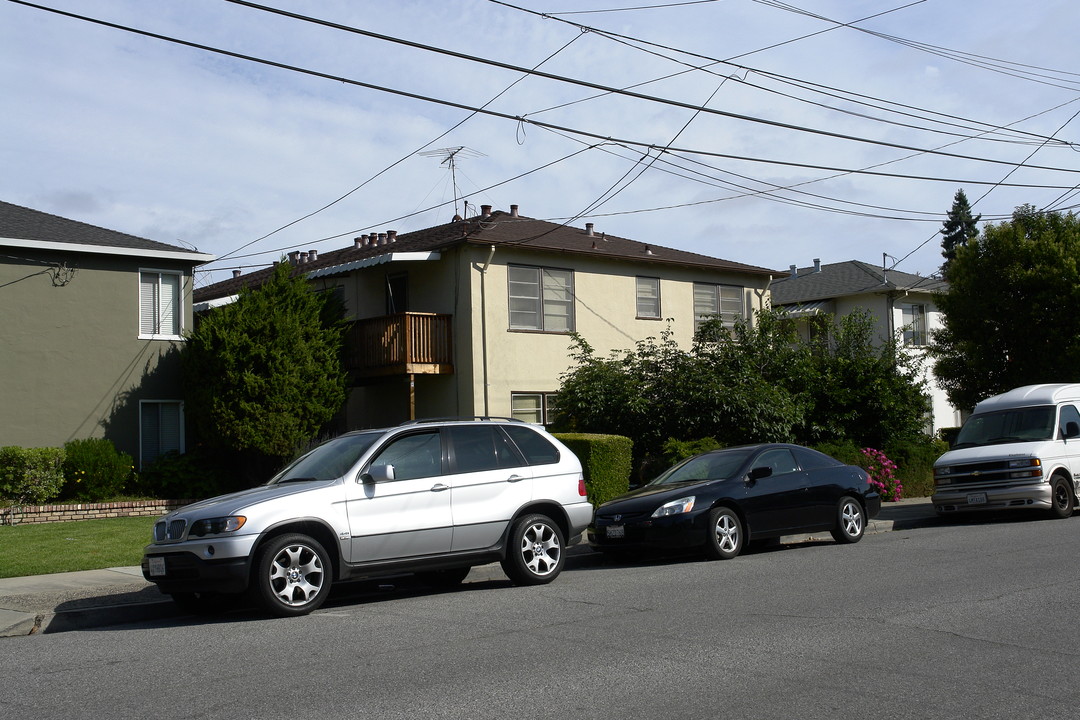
(606, 461)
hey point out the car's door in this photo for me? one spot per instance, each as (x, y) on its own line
(406, 513)
(491, 481)
(777, 501)
(827, 481)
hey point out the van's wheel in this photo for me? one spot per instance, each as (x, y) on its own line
(534, 551)
(292, 575)
(1062, 497)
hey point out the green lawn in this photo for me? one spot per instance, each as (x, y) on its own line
(43, 548)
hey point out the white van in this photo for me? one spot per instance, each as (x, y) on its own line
(1020, 449)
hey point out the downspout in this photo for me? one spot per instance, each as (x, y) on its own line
(483, 326)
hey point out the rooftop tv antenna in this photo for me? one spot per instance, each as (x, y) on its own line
(449, 158)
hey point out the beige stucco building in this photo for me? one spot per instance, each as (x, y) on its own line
(89, 323)
(475, 317)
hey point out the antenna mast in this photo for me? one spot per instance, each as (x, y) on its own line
(449, 158)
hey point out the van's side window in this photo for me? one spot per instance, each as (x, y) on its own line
(1069, 414)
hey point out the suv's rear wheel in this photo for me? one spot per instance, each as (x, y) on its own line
(534, 551)
(1062, 498)
(292, 575)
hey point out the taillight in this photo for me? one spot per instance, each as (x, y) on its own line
(581, 486)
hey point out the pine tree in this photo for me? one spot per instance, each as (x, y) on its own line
(959, 226)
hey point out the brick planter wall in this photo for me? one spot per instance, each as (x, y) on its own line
(90, 511)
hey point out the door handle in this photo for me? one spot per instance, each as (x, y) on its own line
(515, 478)
(439, 487)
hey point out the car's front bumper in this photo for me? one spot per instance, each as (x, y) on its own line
(973, 499)
(686, 530)
(220, 565)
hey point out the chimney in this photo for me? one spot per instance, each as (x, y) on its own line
(313, 255)
(485, 211)
(382, 238)
(793, 270)
(358, 242)
(303, 258)
(514, 211)
(648, 250)
(236, 273)
(589, 229)
(392, 235)
(817, 264)
(294, 257)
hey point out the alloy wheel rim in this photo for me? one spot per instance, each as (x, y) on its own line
(540, 549)
(296, 575)
(727, 533)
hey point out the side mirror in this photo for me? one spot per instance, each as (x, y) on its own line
(378, 473)
(1072, 429)
(759, 472)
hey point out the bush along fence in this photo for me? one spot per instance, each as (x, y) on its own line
(27, 514)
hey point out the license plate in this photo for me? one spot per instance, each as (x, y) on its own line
(616, 531)
(157, 566)
(976, 499)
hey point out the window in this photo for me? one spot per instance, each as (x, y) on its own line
(1069, 416)
(725, 301)
(413, 456)
(914, 324)
(541, 299)
(159, 304)
(161, 429)
(648, 297)
(780, 460)
(537, 450)
(482, 447)
(538, 408)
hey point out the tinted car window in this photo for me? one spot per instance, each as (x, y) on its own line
(780, 460)
(413, 456)
(537, 450)
(1004, 426)
(482, 447)
(1068, 415)
(813, 460)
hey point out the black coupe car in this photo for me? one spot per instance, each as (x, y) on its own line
(719, 500)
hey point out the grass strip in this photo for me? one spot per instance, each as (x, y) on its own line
(43, 548)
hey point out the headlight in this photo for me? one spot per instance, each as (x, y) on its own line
(217, 526)
(675, 507)
(942, 471)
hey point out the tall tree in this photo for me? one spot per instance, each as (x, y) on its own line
(1011, 315)
(264, 374)
(959, 226)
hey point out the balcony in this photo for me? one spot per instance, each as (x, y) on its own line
(402, 344)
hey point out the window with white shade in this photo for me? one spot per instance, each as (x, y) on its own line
(648, 297)
(723, 301)
(161, 429)
(541, 298)
(160, 311)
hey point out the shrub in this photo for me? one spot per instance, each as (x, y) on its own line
(173, 476)
(94, 470)
(678, 450)
(30, 475)
(606, 463)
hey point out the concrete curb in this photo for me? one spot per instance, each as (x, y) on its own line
(99, 598)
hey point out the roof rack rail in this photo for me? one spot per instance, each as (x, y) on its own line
(462, 418)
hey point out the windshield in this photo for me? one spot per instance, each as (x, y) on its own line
(1006, 426)
(710, 466)
(328, 461)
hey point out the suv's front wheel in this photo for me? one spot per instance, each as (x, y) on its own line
(292, 575)
(534, 551)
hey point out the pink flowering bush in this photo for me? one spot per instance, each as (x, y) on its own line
(882, 473)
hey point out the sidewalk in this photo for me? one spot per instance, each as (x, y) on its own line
(96, 598)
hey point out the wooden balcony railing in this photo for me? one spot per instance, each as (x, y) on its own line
(402, 344)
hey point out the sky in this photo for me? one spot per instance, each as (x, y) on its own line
(756, 131)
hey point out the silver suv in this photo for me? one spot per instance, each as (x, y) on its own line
(431, 497)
